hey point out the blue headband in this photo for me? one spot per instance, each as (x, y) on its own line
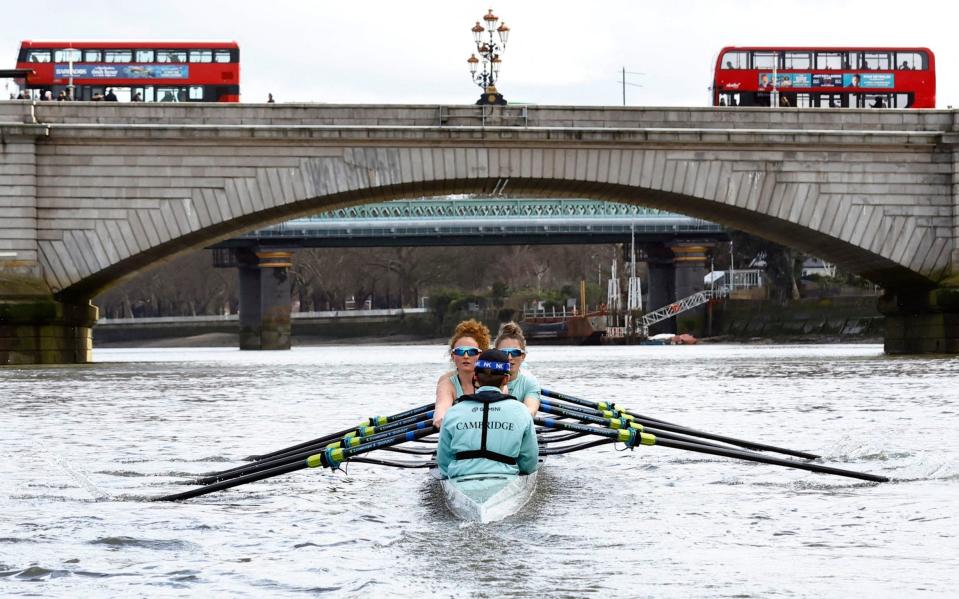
(491, 365)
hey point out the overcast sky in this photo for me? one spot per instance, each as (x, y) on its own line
(559, 52)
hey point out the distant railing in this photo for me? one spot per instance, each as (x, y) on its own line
(486, 207)
(739, 279)
(324, 314)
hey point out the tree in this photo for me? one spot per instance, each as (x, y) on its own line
(783, 265)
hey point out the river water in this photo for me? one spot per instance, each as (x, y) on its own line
(82, 448)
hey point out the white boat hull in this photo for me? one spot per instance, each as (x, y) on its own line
(488, 497)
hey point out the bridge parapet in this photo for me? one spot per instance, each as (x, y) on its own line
(527, 116)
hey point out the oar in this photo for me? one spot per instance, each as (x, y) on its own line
(676, 428)
(294, 457)
(371, 421)
(544, 451)
(632, 437)
(360, 431)
(329, 458)
(617, 423)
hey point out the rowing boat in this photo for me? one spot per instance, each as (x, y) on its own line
(488, 497)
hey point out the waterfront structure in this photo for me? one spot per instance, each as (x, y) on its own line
(94, 192)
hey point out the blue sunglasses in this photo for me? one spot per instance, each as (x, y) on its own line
(513, 352)
(466, 351)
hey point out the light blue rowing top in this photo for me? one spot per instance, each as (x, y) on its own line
(457, 387)
(510, 432)
(524, 386)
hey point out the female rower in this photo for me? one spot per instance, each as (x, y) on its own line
(522, 385)
(469, 339)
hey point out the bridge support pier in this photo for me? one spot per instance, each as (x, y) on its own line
(264, 298)
(661, 288)
(36, 328)
(690, 264)
(921, 322)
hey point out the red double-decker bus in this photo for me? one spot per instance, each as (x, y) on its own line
(825, 77)
(132, 71)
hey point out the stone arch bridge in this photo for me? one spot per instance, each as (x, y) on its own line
(91, 193)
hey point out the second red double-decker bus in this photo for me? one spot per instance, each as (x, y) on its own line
(132, 71)
(807, 77)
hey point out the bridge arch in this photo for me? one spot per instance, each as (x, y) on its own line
(859, 237)
(118, 188)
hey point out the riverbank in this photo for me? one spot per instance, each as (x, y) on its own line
(232, 340)
(808, 321)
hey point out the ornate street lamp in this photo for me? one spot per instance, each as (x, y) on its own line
(489, 51)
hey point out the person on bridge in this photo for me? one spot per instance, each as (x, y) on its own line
(487, 432)
(469, 339)
(522, 385)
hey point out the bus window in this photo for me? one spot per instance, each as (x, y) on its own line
(201, 55)
(196, 93)
(92, 56)
(735, 60)
(909, 61)
(797, 60)
(222, 56)
(123, 94)
(876, 61)
(149, 94)
(171, 56)
(71, 55)
(38, 56)
(852, 61)
(145, 55)
(826, 100)
(765, 60)
(168, 94)
(728, 99)
(829, 60)
(117, 56)
(803, 101)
